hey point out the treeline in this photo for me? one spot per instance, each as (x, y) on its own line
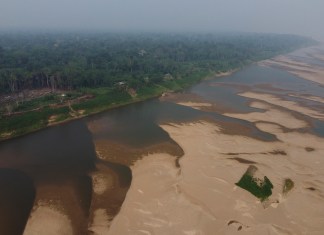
(70, 61)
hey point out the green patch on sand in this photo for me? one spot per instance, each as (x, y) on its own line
(288, 186)
(261, 188)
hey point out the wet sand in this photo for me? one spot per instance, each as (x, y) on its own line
(109, 192)
(311, 72)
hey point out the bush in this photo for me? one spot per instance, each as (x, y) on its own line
(288, 185)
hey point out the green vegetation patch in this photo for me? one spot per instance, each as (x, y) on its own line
(261, 188)
(151, 91)
(35, 103)
(288, 186)
(22, 124)
(103, 100)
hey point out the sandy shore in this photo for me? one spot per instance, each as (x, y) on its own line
(201, 197)
(304, 70)
(287, 104)
(58, 209)
(309, 97)
(108, 195)
(272, 115)
(47, 220)
(195, 105)
(227, 73)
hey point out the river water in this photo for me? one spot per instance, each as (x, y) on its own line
(50, 164)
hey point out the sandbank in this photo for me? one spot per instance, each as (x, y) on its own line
(303, 69)
(195, 105)
(47, 220)
(200, 197)
(290, 105)
(270, 115)
(309, 97)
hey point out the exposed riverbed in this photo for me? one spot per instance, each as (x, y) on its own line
(75, 177)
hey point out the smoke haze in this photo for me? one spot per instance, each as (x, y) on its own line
(277, 16)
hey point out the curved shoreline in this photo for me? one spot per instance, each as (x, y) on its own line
(4, 137)
(138, 100)
(71, 119)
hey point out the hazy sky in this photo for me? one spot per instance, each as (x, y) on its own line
(280, 16)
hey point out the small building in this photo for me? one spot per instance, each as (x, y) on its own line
(121, 85)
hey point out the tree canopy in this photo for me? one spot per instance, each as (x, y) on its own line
(70, 60)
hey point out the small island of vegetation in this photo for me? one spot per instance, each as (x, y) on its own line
(261, 188)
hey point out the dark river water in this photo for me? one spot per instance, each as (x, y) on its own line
(63, 156)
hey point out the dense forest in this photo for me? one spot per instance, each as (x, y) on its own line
(70, 61)
(48, 78)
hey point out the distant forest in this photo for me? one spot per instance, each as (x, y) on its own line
(88, 60)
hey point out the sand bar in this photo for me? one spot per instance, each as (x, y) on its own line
(270, 115)
(311, 72)
(47, 220)
(290, 105)
(201, 196)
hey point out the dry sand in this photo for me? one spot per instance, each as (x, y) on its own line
(195, 105)
(47, 220)
(290, 105)
(224, 74)
(201, 197)
(270, 115)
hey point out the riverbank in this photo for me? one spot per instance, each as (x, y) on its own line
(104, 99)
(17, 126)
(109, 76)
(47, 114)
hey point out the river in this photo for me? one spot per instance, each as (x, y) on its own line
(55, 166)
